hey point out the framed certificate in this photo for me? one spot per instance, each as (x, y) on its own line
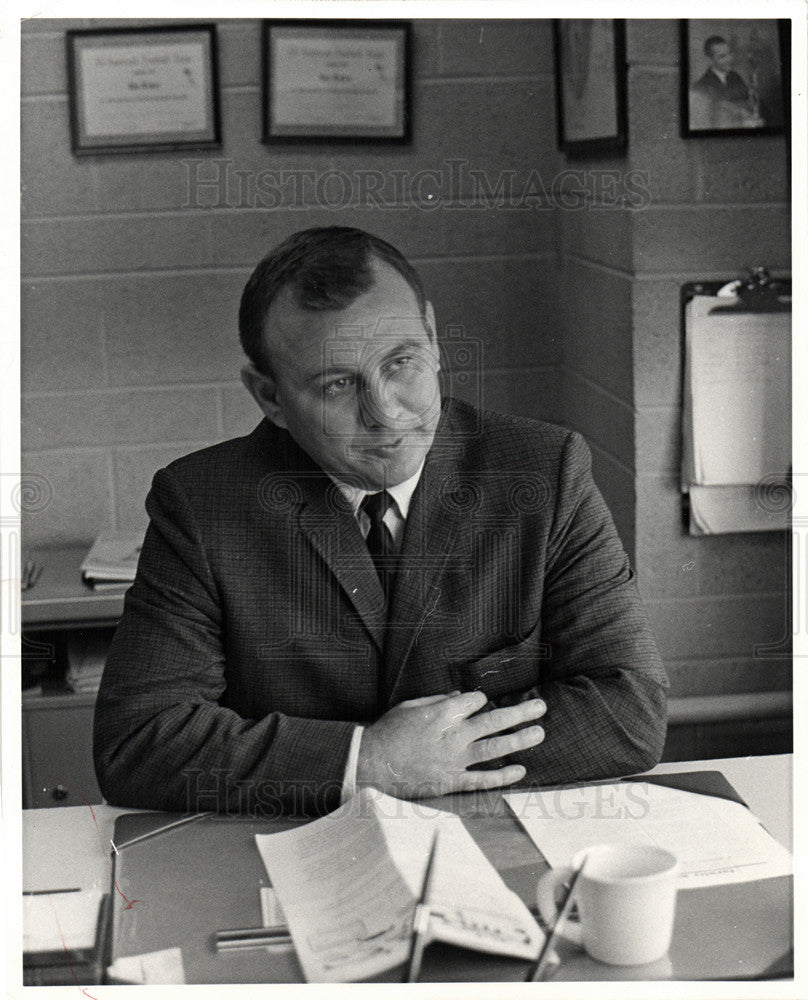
(336, 81)
(143, 89)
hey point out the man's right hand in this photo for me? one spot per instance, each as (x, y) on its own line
(424, 747)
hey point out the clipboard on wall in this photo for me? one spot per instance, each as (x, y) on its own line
(736, 405)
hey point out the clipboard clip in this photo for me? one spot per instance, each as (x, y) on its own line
(758, 292)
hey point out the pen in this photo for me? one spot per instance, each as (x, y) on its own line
(544, 955)
(47, 892)
(420, 920)
(252, 937)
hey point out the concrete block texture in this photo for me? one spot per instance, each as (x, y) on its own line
(656, 341)
(652, 40)
(737, 625)
(504, 306)
(78, 484)
(112, 416)
(676, 564)
(603, 419)
(62, 337)
(176, 328)
(597, 338)
(132, 472)
(730, 675)
(483, 47)
(706, 239)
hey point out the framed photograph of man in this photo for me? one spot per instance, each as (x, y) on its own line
(734, 76)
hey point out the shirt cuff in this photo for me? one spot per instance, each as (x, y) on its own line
(349, 777)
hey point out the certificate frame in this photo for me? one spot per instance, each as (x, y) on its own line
(590, 79)
(754, 99)
(147, 89)
(322, 81)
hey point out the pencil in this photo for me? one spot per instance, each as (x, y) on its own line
(550, 940)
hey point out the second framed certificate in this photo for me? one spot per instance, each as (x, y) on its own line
(336, 81)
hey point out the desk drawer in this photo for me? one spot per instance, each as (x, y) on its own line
(57, 752)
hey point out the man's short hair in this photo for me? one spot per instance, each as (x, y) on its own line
(328, 267)
(711, 41)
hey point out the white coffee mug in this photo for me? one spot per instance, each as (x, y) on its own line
(626, 900)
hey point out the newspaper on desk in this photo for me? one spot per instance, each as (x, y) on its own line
(348, 884)
(718, 842)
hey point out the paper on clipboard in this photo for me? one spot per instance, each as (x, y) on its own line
(737, 406)
(737, 395)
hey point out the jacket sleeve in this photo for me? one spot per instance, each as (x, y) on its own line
(601, 675)
(161, 738)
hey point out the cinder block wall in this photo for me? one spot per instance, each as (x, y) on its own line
(596, 351)
(712, 206)
(717, 205)
(133, 264)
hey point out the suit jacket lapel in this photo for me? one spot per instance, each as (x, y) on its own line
(331, 527)
(291, 481)
(436, 516)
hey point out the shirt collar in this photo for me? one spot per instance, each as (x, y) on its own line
(721, 76)
(401, 492)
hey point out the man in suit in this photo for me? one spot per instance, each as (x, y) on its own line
(720, 97)
(377, 586)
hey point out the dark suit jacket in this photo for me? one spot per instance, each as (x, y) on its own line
(254, 636)
(711, 86)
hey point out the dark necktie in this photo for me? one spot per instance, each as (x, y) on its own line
(379, 540)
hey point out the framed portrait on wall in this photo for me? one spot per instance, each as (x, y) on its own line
(590, 77)
(143, 89)
(733, 75)
(336, 81)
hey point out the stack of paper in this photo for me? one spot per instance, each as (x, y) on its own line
(112, 559)
(86, 655)
(736, 419)
(63, 935)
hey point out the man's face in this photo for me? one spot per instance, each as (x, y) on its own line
(721, 56)
(357, 388)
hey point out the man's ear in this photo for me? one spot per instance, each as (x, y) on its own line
(264, 391)
(429, 316)
(429, 322)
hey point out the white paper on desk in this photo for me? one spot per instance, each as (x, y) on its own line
(348, 884)
(154, 968)
(737, 404)
(718, 842)
(60, 921)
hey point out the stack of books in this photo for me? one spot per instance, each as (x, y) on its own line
(112, 560)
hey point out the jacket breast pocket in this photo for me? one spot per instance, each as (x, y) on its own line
(506, 676)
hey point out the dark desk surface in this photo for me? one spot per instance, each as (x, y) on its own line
(68, 847)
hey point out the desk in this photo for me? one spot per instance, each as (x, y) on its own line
(69, 847)
(57, 612)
